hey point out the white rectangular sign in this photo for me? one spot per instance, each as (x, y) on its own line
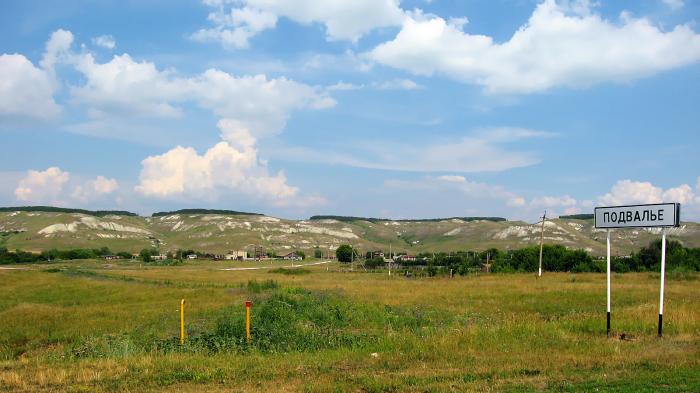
(638, 216)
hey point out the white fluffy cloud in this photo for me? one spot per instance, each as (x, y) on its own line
(229, 166)
(234, 29)
(125, 86)
(556, 205)
(42, 186)
(96, 188)
(234, 25)
(53, 184)
(57, 48)
(561, 45)
(105, 41)
(630, 192)
(635, 192)
(26, 92)
(261, 104)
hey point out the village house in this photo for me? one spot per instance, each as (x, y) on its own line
(292, 256)
(236, 255)
(192, 256)
(112, 257)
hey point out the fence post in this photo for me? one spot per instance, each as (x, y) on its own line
(182, 321)
(247, 319)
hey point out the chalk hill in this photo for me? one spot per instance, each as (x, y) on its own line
(217, 233)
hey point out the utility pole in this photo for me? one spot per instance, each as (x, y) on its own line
(391, 257)
(544, 217)
(352, 258)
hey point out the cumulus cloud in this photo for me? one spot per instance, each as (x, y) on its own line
(235, 28)
(96, 188)
(556, 205)
(229, 166)
(234, 25)
(105, 41)
(53, 186)
(565, 44)
(57, 47)
(26, 92)
(262, 104)
(625, 192)
(631, 192)
(42, 186)
(125, 86)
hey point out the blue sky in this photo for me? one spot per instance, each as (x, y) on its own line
(370, 108)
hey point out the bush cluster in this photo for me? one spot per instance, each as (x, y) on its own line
(556, 258)
(19, 256)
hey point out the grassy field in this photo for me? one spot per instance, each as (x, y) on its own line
(91, 326)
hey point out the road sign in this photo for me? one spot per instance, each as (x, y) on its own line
(662, 215)
(638, 216)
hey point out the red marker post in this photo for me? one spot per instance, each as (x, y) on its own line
(248, 303)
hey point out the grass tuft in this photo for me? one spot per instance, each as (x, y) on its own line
(290, 272)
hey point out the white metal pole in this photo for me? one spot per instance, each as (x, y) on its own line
(544, 217)
(663, 274)
(608, 277)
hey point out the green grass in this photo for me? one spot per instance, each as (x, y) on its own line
(91, 328)
(290, 272)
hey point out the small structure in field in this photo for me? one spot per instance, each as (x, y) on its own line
(112, 257)
(292, 256)
(236, 255)
(160, 257)
(191, 256)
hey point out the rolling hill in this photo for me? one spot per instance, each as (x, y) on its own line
(217, 233)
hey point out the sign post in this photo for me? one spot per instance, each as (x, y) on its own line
(663, 274)
(608, 276)
(659, 215)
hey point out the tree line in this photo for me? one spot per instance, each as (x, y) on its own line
(555, 258)
(19, 256)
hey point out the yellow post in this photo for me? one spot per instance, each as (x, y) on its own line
(247, 319)
(182, 321)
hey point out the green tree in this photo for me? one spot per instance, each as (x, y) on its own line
(145, 255)
(301, 253)
(344, 253)
(318, 253)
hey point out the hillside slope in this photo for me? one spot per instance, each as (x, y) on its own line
(218, 233)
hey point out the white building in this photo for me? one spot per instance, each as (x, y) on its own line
(236, 255)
